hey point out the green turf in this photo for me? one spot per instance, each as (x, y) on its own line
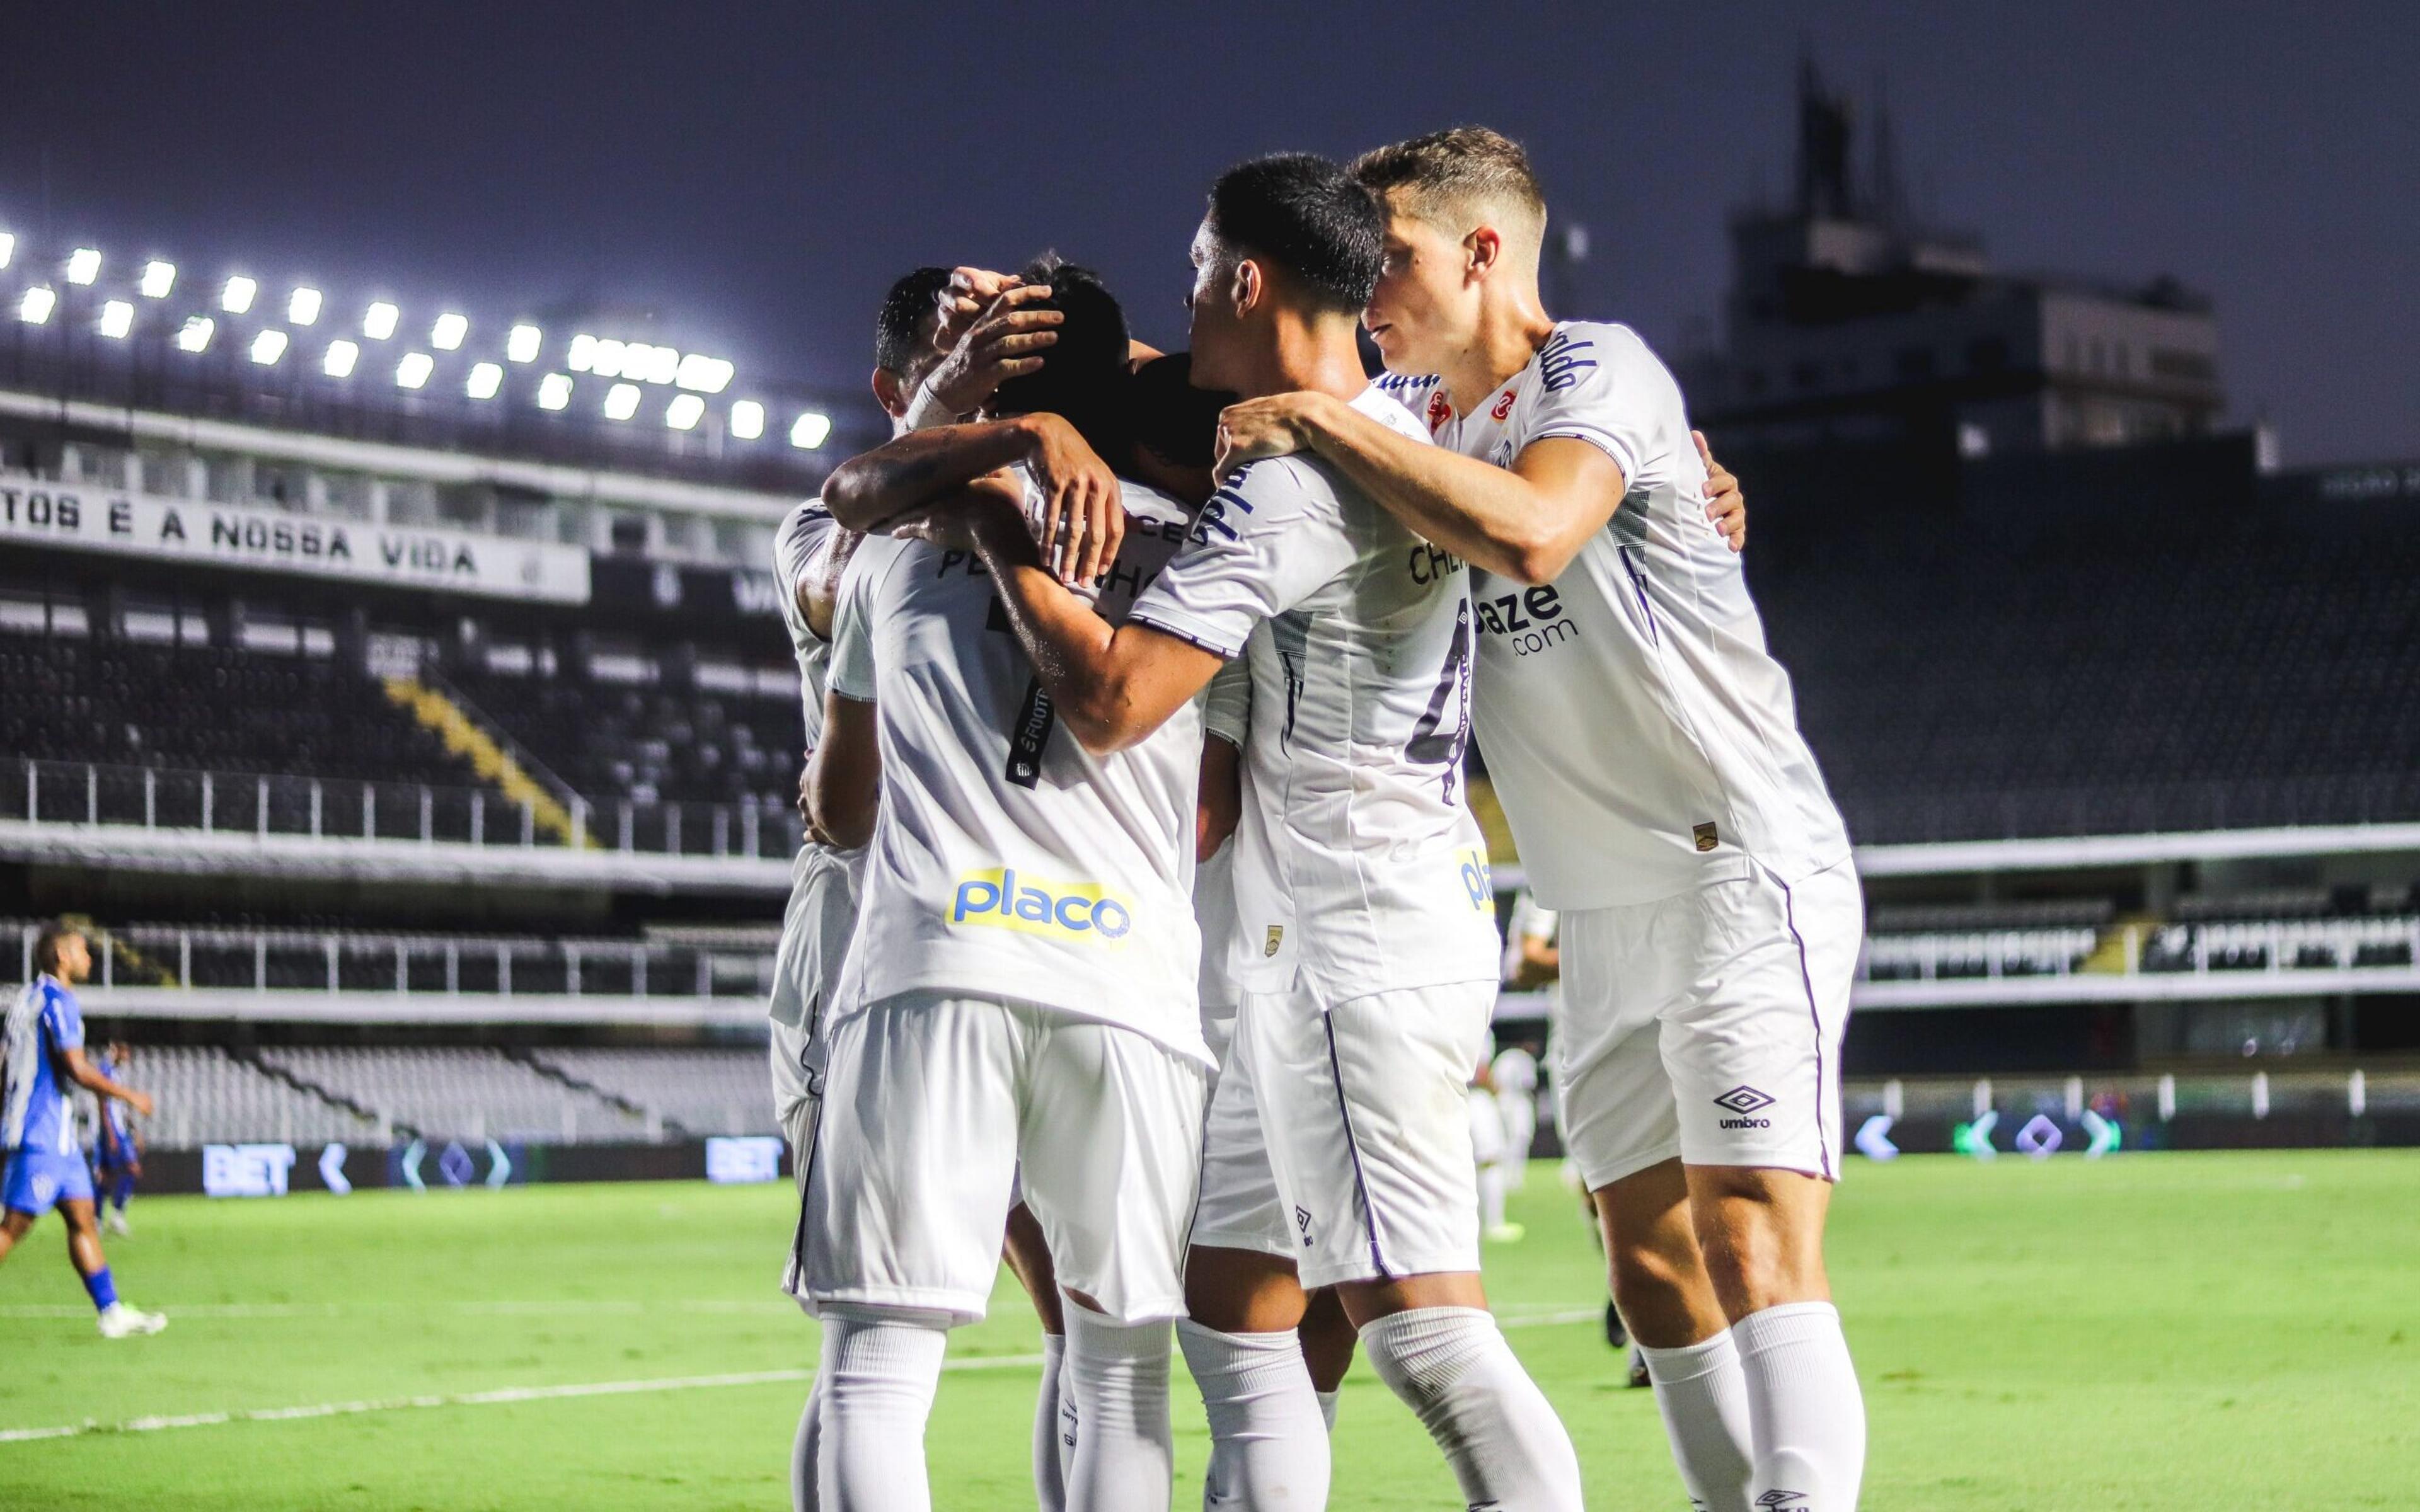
(2188, 1332)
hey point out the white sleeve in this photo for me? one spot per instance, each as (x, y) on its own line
(925, 411)
(1603, 386)
(1227, 703)
(852, 660)
(1270, 537)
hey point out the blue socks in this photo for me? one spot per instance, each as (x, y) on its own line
(121, 1193)
(103, 1289)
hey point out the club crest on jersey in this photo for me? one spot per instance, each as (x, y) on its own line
(1277, 937)
(1080, 913)
(1503, 406)
(1439, 410)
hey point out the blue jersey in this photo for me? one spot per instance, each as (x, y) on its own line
(113, 1142)
(44, 1025)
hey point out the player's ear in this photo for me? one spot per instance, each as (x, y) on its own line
(887, 393)
(1482, 249)
(1244, 292)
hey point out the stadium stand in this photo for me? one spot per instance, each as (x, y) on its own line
(468, 1093)
(699, 1091)
(207, 1096)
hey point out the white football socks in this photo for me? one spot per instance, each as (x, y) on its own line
(880, 1370)
(1491, 1196)
(1049, 1454)
(1327, 1408)
(1126, 1453)
(804, 1450)
(1269, 1439)
(1703, 1397)
(1806, 1416)
(1451, 1367)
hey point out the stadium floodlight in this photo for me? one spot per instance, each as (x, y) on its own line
(413, 372)
(303, 306)
(238, 294)
(686, 412)
(157, 279)
(342, 356)
(584, 354)
(8, 249)
(810, 429)
(747, 420)
(379, 320)
(486, 378)
(84, 265)
(661, 366)
(621, 401)
(703, 374)
(521, 344)
(554, 391)
(269, 346)
(116, 320)
(195, 336)
(611, 358)
(447, 333)
(36, 308)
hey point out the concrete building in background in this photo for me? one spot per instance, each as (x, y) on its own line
(1848, 319)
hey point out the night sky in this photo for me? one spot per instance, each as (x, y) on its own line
(757, 174)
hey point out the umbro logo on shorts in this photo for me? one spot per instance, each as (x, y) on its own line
(1744, 1101)
(1781, 1501)
(1302, 1221)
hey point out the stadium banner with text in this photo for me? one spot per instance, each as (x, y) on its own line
(38, 512)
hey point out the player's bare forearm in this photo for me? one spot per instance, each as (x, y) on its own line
(844, 778)
(907, 473)
(1526, 524)
(1111, 686)
(818, 587)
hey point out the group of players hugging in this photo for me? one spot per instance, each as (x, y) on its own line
(1144, 934)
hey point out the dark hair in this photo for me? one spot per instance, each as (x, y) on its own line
(46, 944)
(1083, 375)
(1307, 216)
(1171, 419)
(899, 330)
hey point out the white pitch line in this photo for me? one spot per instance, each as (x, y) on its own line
(471, 1399)
(506, 1395)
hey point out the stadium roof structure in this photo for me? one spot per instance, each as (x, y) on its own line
(577, 383)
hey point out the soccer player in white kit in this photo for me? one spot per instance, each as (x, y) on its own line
(911, 377)
(1646, 750)
(1020, 995)
(1367, 944)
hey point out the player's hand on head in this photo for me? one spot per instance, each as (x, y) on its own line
(1724, 504)
(1255, 428)
(1007, 342)
(963, 299)
(1083, 518)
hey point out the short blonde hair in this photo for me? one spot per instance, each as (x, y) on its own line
(1461, 171)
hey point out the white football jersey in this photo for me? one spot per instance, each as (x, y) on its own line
(1008, 862)
(1642, 739)
(1358, 868)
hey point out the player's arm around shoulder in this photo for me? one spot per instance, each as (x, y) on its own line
(1526, 522)
(1111, 686)
(842, 786)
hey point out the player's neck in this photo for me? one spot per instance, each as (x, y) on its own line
(1312, 354)
(1512, 327)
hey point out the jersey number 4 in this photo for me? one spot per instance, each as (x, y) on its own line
(1433, 740)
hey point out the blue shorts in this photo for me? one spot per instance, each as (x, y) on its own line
(38, 1181)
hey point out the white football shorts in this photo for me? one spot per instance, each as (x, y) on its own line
(1707, 1025)
(934, 1104)
(1364, 1170)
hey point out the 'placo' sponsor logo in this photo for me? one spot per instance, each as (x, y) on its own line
(1477, 879)
(1080, 913)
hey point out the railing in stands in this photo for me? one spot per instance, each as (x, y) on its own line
(339, 810)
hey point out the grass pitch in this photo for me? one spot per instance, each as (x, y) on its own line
(2186, 1332)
